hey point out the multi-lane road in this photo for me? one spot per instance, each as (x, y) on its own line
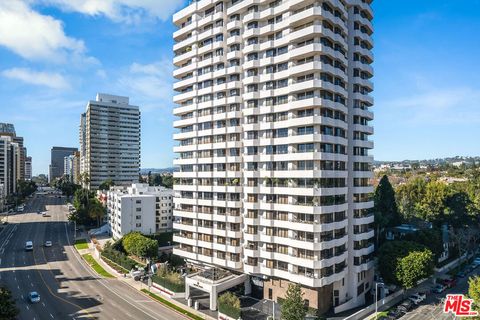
(69, 289)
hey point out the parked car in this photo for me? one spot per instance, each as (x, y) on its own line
(34, 297)
(417, 297)
(461, 274)
(449, 283)
(137, 274)
(438, 288)
(48, 243)
(394, 314)
(406, 306)
(476, 261)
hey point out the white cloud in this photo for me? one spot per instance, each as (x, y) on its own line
(51, 80)
(130, 11)
(35, 36)
(150, 84)
(435, 105)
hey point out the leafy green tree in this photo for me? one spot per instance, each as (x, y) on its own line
(430, 238)
(415, 266)
(65, 185)
(390, 257)
(432, 205)
(474, 292)
(83, 201)
(385, 204)
(105, 185)
(26, 188)
(157, 180)
(293, 307)
(8, 310)
(137, 244)
(408, 197)
(458, 207)
(167, 181)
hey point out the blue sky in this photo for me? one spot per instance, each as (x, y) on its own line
(55, 55)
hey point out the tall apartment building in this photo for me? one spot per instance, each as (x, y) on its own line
(8, 130)
(273, 142)
(110, 141)
(28, 168)
(57, 162)
(141, 208)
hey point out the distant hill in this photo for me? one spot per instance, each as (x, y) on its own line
(439, 161)
(157, 170)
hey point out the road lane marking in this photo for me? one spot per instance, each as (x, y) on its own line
(31, 284)
(18, 287)
(50, 290)
(43, 303)
(27, 307)
(51, 315)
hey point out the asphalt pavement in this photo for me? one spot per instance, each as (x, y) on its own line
(68, 288)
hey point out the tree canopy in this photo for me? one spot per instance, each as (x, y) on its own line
(8, 310)
(293, 307)
(474, 292)
(396, 265)
(88, 210)
(385, 204)
(139, 245)
(105, 185)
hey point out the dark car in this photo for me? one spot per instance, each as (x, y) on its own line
(406, 306)
(461, 274)
(449, 283)
(394, 314)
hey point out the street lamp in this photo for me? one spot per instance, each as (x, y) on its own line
(376, 296)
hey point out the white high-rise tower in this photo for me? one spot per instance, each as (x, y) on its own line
(273, 142)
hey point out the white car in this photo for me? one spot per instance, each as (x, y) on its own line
(48, 243)
(417, 298)
(34, 297)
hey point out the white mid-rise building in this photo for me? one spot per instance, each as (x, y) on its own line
(273, 110)
(139, 208)
(110, 141)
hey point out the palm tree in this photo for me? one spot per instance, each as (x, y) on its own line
(97, 211)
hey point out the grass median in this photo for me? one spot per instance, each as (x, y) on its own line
(95, 266)
(172, 305)
(81, 244)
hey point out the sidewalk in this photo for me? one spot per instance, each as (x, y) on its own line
(138, 285)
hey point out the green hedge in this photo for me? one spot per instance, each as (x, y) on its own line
(113, 265)
(169, 284)
(119, 258)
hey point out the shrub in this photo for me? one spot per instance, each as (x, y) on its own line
(119, 258)
(229, 304)
(170, 280)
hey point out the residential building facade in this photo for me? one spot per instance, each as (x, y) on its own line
(139, 208)
(110, 141)
(273, 142)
